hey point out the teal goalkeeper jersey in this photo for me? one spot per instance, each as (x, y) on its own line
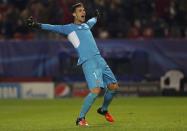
(80, 36)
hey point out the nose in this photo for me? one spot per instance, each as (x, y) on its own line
(84, 12)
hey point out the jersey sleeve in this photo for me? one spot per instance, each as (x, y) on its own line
(61, 29)
(91, 22)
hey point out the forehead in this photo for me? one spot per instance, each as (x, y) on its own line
(80, 8)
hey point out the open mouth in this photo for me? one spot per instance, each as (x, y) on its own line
(83, 16)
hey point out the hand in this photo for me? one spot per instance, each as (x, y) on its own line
(97, 13)
(30, 22)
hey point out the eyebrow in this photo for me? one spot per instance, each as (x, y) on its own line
(81, 9)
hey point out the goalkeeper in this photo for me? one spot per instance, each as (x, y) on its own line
(97, 73)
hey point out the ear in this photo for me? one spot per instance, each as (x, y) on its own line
(74, 14)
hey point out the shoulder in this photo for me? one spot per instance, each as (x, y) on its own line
(85, 25)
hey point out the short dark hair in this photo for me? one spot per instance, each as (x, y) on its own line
(73, 7)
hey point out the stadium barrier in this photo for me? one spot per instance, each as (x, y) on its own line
(29, 88)
(154, 57)
(132, 61)
(9, 90)
(52, 90)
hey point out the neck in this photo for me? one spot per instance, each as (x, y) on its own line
(77, 22)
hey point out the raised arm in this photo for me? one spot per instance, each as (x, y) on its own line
(91, 22)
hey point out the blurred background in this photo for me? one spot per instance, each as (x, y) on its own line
(143, 41)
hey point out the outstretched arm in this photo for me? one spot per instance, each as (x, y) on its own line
(53, 28)
(63, 29)
(30, 22)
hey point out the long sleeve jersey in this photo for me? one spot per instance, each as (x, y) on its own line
(80, 36)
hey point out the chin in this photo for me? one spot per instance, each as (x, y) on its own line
(83, 20)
